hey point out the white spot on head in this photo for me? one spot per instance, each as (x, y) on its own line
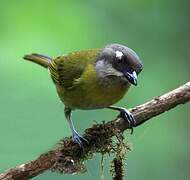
(118, 54)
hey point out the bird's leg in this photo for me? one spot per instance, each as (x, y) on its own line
(76, 136)
(126, 115)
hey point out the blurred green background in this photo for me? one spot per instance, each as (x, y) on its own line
(31, 115)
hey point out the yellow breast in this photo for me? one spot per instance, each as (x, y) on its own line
(90, 92)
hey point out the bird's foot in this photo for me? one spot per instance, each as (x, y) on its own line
(128, 116)
(77, 138)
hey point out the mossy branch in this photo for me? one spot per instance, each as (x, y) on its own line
(68, 157)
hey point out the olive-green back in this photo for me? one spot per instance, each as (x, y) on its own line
(65, 70)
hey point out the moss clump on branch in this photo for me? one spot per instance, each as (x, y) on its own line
(70, 159)
(118, 163)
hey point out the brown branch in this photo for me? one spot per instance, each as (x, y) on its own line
(141, 113)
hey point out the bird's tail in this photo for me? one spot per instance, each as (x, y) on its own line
(39, 59)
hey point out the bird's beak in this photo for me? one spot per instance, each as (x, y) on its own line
(131, 77)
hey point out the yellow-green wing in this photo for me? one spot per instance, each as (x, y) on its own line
(65, 70)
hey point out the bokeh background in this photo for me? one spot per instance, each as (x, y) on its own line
(31, 115)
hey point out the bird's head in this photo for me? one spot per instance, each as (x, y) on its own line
(121, 61)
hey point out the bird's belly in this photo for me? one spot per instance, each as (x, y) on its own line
(93, 97)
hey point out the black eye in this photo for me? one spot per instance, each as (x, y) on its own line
(119, 60)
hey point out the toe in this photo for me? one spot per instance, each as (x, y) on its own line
(77, 138)
(83, 139)
(129, 117)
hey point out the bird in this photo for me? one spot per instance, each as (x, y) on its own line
(92, 79)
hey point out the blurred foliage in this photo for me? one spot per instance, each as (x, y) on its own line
(32, 119)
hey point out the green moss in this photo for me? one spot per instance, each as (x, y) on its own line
(70, 157)
(117, 165)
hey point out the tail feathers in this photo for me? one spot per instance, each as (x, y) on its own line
(39, 59)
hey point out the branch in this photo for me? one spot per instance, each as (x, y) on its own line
(68, 152)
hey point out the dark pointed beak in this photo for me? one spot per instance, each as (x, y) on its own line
(131, 77)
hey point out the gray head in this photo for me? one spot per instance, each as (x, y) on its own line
(119, 60)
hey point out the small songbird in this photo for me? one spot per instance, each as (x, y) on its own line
(92, 79)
